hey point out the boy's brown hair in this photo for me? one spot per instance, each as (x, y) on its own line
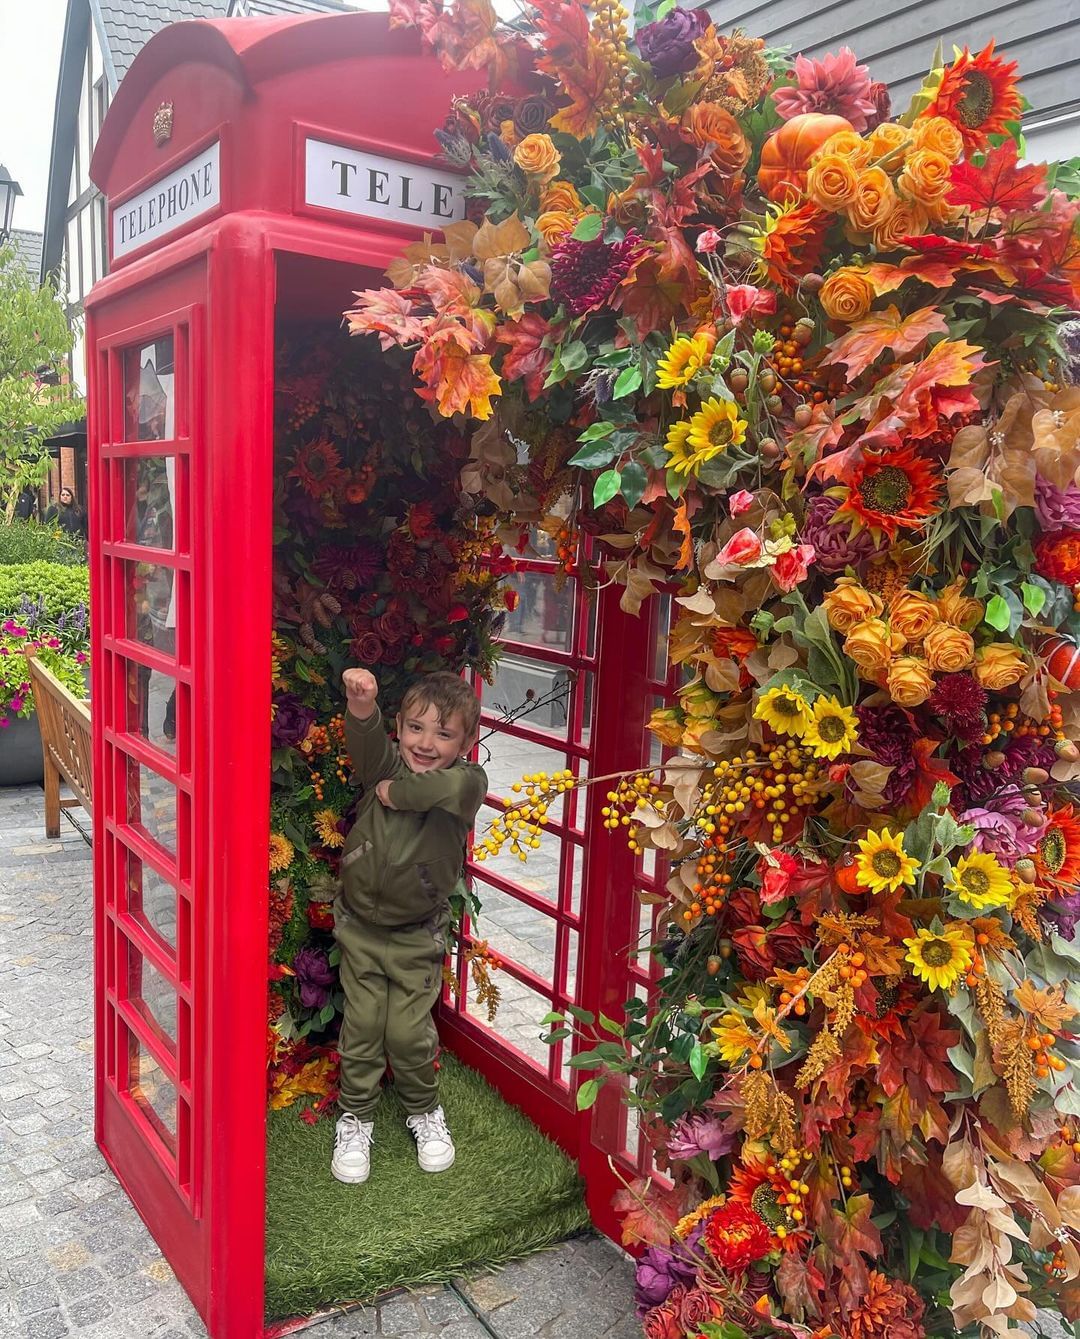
(449, 694)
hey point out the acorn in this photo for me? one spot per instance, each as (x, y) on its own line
(769, 448)
(1026, 869)
(714, 965)
(803, 415)
(725, 948)
(994, 759)
(1032, 818)
(803, 332)
(1067, 750)
(1036, 776)
(773, 404)
(767, 382)
(738, 380)
(811, 283)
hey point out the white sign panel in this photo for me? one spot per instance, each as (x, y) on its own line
(193, 189)
(373, 186)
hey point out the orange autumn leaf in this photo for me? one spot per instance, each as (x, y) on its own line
(1048, 1007)
(648, 1212)
(586, 84)
(466, 382)
(681, 523)
(883, 331)
(312, 1078)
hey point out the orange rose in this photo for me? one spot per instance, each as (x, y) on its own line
(874, 201)
(935, 132)
(909, 681)
(848, 604)
(847, 144)
(888, 138)
(846, 295)
(926, 175)
(908, 219)
(538, 157)
(959, 609)
(912, 615)
(948, 649)
(869, 645)
(832, 182)
(508, 134)
(999, 665)
(561, 195)
(712, 127)
(554, 224)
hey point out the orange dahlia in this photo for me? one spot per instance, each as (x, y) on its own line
(1057, 856)
(1057, 557)
(736, 1237)
(790, 243)
(888, 1309)
(888, 492)
(978, 95)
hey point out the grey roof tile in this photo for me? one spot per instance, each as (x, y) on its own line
(129, 24)
(28, 248)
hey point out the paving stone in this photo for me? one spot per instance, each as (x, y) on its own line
(37, 1297)
(49, 1325)
(442, 1306)
(402, 1316)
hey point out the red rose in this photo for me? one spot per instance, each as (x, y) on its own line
(510, 599)
(458, 614)
(790, 568)
(664, 1321)
(742, 548)
(698, 1308)
(320, 916)
(390, 626)
(368, 649)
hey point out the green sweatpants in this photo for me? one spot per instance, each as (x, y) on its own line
(391, 978)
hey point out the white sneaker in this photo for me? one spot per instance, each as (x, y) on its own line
(352, 1149)
(434, 1147)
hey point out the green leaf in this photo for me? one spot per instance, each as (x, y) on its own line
(552, 1018)
(588, 228)
(1034, 598)
(606, 486)
(582, 1015)
(610, 1025)
(587, 1093)
(997, 613)
(595, 431)
(593, 455)
(699, 1061)
(634, 480)
(557, 1034)
(629, 379)
(326, 1013)
(574, 355)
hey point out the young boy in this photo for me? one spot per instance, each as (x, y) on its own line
(399, 865)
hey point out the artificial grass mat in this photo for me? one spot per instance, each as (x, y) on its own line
(510, 1191)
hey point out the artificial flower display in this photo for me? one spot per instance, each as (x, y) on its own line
(803, 360)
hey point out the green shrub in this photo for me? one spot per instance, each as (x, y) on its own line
(52, 588)
(29, 542)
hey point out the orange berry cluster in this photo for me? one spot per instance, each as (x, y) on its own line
(786, 996)
(1070, 1135)
(1040, 1043)
(318, 785)
(566, 542)
(853, 968)
(1011, 722)
(316, 742)
(713, 880)
(948, 428)
(978, 966)
(1057, 1266)
(480, 952)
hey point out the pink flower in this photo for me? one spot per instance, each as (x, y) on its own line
(835, 85)
(740, 502)
(790, 568)
(743, 548)
(745, 300)
(709, 240)
(776, 870)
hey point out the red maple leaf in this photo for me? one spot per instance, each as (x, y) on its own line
(919, 1060)
(648, 1212)
(526, 360)
(930, 1195)
(999, 182)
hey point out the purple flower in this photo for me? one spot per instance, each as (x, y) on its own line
(836, 547)
(668, 44)
(585, 274)
(291, 722)
(1000, 828)
(660, 1268)
(314, 976)
(699, 1133)
(1056, 508)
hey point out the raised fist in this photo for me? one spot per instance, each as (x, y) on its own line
(361, 690)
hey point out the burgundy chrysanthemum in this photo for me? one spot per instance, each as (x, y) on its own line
(835, 546)
(961, 700)
(585, 274)
(890, 738)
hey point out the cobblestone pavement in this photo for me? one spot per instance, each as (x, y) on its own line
(75, 1258)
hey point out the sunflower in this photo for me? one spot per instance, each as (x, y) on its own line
(681, 458)
(887, 492)
(689, 1221)
(683, 361)
(978, 95)
(785, 711)
(318, 470)
(715, 427)
(326, 825)
(980, 881)
(282, 852)
(1057, 856)
(833, 730)
(882, 864)
(939, 957)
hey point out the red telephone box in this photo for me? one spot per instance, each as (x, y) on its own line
(255, 170)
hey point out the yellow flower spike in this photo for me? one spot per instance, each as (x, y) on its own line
(883, 865)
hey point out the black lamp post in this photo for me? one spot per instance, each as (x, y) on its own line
(9, 189)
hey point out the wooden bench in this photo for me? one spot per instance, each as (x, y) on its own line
(64, 722)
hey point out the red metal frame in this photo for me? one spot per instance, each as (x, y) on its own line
(190, 992)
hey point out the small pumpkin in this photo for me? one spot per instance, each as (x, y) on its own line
(786, 154)
(1061, 655)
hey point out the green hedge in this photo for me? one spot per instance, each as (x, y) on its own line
(29, 542)
(63, 588)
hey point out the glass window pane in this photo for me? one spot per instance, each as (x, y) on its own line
(151, 899)
(661, 631)
(572, 966)
(518, 1019)
(149, 501)
(529, 691)
(151, 706)
(150, 601)
(544, 616)
(149, 400)
(152, 802)
(577, 879)
(515, 930)
(539, 874)
(152, 1089)
(146, 986)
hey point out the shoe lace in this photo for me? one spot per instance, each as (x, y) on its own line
(431, 1126)
(352, 1130)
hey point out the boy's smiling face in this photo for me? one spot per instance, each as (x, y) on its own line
(426, 742)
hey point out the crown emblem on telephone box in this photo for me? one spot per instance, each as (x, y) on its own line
(163, 118)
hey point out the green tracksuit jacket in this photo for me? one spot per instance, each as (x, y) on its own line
(399, 866)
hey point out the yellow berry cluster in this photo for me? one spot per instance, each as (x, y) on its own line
(521, 825)
(791, 1200)
(846, 1178)
(775, 786)
(631, 794)
(609, 29)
